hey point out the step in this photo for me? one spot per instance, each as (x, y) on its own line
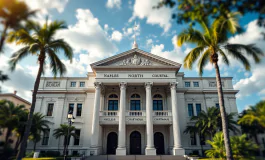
(135, 157)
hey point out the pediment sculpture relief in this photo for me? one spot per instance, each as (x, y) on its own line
(137, 61)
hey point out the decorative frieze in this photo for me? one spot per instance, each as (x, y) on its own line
(136, 61)
(52, 84)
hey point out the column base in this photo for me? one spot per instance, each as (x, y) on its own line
(94, 151)
(121, 151)
(178, 151)
(150, 151)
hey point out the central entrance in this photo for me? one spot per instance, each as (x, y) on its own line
(135, 143)
(112, 142)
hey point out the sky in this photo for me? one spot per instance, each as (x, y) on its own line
(97, 29)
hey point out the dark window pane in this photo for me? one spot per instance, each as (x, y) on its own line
(73, 84)
(190, 110)
(71, 108)
(113, 96)
(157, 105)
(79, 110)
(187, 84)
(198, 108)
(157, 96)
(135, 105)
(113, 105)
(45, 138)
(217, 105)
(77, 139)
(50, 109)
(196, 84)
(82, 84)
(193, 138)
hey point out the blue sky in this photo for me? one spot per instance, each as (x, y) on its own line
(100, 28)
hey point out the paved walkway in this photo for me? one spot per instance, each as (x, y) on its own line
(135, 157)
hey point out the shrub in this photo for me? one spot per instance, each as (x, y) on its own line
(30, 154)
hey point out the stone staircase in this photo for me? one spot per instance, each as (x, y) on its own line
(135, 157)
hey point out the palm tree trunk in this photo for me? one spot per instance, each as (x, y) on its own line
(34, 148)
(17, 143)
(8, 131)
(256, 139)
(3, 37)
(229, 155)
(22, 149)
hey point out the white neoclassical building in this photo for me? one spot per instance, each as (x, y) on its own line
(132, 103)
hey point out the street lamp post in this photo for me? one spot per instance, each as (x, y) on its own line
(70, 119)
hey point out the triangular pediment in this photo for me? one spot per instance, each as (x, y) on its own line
(135, 58)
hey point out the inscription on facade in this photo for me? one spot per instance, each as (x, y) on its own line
(109, 119)
(135, 119)
(111, 75)
(159, 75)
(134, 75)
(161, 119)
(52, 84)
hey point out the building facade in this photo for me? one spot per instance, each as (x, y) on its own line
(132, 103)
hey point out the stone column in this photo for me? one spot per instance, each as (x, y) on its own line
(177, 149)
(95, 121)
(150, 149)
(121, 150)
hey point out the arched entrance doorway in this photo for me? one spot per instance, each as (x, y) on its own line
(112, 141)
(135, 143)
(159, 143)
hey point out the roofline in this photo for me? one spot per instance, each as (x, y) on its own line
(15, 96)
(134, 50)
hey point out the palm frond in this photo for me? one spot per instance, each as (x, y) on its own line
(192, 56)
(224, 57)
(53, 27)
(60, 44)
(17, 56)
(191, 36)
(203, 61)
(56, 64)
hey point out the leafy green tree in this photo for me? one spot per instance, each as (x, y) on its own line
(242, 148)
(190, 11)
(39, 41)
(255, 114)
(9, 117)
(65, 130)
(253, 129)
(211, 43)
(39, 124)
(12, 13)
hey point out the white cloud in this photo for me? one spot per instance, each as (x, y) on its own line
(254, 83)
(44, 5)
(176, 54)
(88, 35)
(116, 36)
(149, 42)
(113, 4)
(144, 9)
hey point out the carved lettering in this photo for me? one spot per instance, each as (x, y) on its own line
(161, 119)
(52, 84)
(111, 75)
(109, 119)
(159, 75)
(135, 75)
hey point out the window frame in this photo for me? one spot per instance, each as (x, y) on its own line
(196, 108)
(77, 139)
(51, 110)
(82, 82)
(186, 85)
(73, 82)
(77, 110)
(192, 111)
(196, 83)
(114, 98)
(193, 139)
(158, 98)
(46, 137)
(69, 107)
(135, 102)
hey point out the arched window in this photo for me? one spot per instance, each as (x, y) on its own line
(157, 102)
(113, 102)
(135, 102)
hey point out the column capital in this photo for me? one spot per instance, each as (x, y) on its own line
(97, 85)
(173, 85)
(148, 85)
(123, 85)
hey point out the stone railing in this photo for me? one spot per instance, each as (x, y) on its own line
(162, 113)
(135, 113)
(108, 113)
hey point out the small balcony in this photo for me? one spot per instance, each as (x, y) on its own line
(134, 117)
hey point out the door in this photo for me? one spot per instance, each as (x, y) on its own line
(135, 143)
(112, 142)
(159, 143)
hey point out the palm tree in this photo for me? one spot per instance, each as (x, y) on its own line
(12, 13)
(9, 117)
(63, 131)
(20, 129)
(255, 114)
(218, 149)
(39, 124)
(39, 41)
(211, 43)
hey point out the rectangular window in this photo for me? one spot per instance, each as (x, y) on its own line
(158, 105)
(193, 138)
(45, 138)
(195, 84)
(135, 105)
(187, 84)
(190, 109)
(82, 84)
(77, 139)
(73, 84)
(71, 108)
(217, 105)
(50, 109)
(198, 109)
(113, 105)
(79, 109)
